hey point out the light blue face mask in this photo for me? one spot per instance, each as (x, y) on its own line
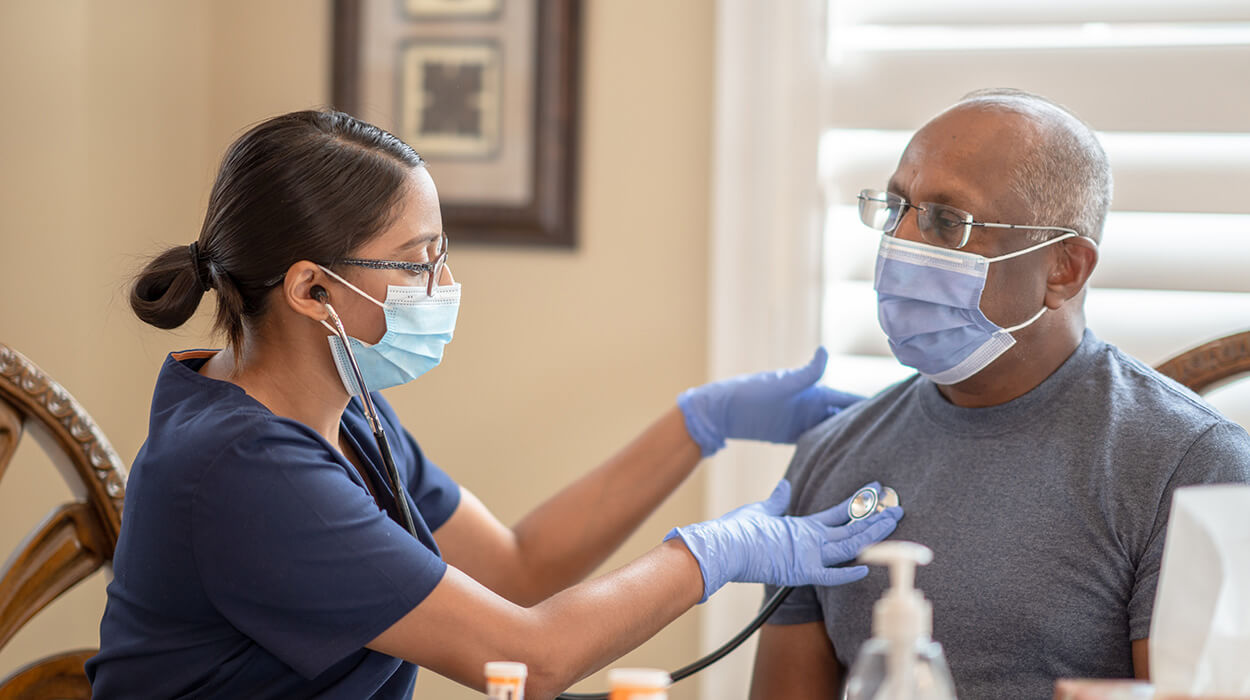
(417, 328)
(929, 305)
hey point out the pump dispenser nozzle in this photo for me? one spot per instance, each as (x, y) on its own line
(900, 662)
(902, 613)
(903, 557)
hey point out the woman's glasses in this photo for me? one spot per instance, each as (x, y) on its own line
(426, 273)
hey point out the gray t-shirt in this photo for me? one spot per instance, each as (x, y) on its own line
(1046, 514)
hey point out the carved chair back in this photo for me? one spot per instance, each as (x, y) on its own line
(1212, 364)
(75, 539)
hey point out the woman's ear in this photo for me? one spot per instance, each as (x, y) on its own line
(304, 290)
(1073, 262)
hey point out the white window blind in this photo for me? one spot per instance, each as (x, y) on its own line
(1167, 86)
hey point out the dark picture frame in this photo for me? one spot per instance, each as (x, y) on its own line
(544, 213)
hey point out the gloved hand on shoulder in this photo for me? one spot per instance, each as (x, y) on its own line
(758, 544)
(770, 406)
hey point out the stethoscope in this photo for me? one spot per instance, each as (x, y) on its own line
(867, 501)
(371, 413)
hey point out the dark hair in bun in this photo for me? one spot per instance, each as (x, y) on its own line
(309, 185)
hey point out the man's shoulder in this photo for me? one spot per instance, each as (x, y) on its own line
(1141, 412)
(1137, 393)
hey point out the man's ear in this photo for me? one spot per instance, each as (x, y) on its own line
(1072, 263)
(298, 289)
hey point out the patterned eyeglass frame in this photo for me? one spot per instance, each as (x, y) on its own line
(434, 268)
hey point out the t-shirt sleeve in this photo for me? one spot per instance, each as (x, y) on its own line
(298, 556)
(799, 607)
(1221, 455)
(433, 491)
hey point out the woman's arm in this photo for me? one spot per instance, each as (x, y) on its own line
(565, 538)
(461, 625)
(561, 541)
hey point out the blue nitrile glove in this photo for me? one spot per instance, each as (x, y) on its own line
(770, 406)
(757, 544)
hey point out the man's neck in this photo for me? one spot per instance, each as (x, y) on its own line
(1035, 356)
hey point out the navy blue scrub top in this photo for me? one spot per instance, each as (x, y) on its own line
(253, 561)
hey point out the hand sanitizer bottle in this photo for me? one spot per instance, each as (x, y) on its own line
(901, 661)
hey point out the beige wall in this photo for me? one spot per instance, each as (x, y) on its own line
(116, 113)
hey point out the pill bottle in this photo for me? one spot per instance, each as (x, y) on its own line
(638, 684)
(505, 680)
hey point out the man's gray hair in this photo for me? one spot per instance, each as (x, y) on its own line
(1067, 180)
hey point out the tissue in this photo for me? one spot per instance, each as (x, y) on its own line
(1200, 629)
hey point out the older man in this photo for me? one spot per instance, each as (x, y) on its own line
(1037, 461)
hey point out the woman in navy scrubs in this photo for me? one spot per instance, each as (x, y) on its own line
(261, 553)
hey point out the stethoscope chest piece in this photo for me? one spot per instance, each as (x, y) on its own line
(867, 501)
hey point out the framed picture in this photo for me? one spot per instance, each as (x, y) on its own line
(486, 92)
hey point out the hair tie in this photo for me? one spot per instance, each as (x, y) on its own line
(201, 271)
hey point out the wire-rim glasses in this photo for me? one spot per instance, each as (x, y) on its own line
(939, 224)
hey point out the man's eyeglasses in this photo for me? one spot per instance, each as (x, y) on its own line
(424, 273)
(939, 224)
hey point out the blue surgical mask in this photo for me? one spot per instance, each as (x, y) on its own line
(417, 328)
(929, 305)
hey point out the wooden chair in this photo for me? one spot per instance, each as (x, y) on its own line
(75, 539)
(1211, 364)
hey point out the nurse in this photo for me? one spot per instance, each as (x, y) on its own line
(263, 552)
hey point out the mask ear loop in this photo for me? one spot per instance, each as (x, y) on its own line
(371, 412)
(350, 286)
(1024, 251)
(1030, 249)
(1027, 323)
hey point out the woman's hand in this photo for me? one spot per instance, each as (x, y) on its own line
(758, 544)
(770, 406)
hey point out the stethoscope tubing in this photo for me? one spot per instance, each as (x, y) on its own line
(375, 423)
(721, 652)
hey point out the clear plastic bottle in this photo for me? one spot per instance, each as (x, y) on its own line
(505, 680)
(638, 684)
(901, 661)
